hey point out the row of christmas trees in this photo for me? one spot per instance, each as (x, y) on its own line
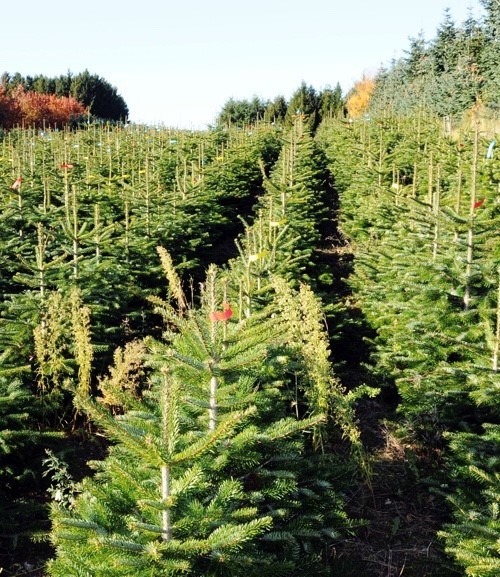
(216, 416)
(87, 209)
(420, 212)
(216, 425)
(213, 467)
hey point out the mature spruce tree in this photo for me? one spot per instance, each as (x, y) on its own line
(443, 49)
(276, 110)
(241, 113)
(490, 55)
(331, 102)
(446, 75)
(305, 102)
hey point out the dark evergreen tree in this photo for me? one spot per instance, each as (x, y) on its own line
(101, 98)
(331, 102)
(305, 102)
(446, 76)
(241, 112)
(276, 110)
(490, 56)
(43, 84)
(62, 85)
(417, 57)
(443, 49)
(492, 18)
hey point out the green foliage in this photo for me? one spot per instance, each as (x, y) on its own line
(276, 110)
(208, 473)
(241, 112)
(101, 98)
(425, 272)
(305, 101)
(14, 414)
(94, 92)
(91, 206)
(447, 75)
(61, 489)
(419, 211)
(331, 102)
(224, 420)
(444, 53)
(290, 219)
(474, 536)
(20, 438)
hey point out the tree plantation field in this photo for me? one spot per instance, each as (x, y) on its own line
(253, 350)
(270, 348)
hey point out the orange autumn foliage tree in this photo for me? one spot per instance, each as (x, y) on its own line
(33, 109)
(10, 114)
(359, 97)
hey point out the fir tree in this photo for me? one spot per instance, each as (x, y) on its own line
(305, 102)
(472, 539)
(206, 475)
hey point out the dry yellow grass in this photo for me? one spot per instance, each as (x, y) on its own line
(487, 121)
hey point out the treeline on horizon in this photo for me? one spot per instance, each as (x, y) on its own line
(457, 69)
(446, 76)
(61, 100)
(306, 101)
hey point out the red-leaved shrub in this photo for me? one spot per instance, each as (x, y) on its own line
(10, 113)
(35, 109)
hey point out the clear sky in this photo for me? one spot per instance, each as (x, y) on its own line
(178, 62)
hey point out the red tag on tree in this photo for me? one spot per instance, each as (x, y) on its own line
(223, 315)
(17, 184)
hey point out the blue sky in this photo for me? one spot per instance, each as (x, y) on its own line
(177, 63)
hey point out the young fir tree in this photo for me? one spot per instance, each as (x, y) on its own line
(32, 400)
(472, 538)
(290, 217)
(420, 214)
(206, 475)
(19, 438)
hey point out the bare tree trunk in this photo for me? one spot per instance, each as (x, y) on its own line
(497, 334)
(470, 231)
(165, 494)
